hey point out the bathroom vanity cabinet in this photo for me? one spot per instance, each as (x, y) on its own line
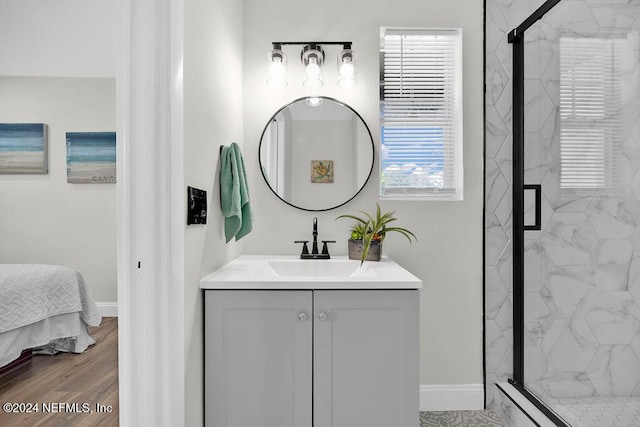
(322, 358)
(311, 343)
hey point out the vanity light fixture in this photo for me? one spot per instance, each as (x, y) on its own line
(277, 67)
(313, 59)
(346, 67)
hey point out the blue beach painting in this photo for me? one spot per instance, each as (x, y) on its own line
(23, 148)
(91, 157)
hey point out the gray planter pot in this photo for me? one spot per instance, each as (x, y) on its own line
(356, 246)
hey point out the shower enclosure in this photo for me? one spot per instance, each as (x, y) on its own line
(576, 209)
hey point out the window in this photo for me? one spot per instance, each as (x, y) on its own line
(421, 114)
(591, 102)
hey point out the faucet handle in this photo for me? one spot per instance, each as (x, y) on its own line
(325, 250)
(305, 249)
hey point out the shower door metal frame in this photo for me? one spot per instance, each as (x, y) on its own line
(516, 37)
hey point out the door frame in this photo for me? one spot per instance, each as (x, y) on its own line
(150, 213)
(516, 38)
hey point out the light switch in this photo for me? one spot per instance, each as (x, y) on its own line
(196, 206)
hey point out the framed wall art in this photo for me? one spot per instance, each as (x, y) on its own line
(322, 171)
(91, 157)
(23, 148)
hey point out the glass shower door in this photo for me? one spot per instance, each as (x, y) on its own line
(581, 206)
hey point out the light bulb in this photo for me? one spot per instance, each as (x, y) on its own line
(312, 70)
(276, 72)
(346, 68)
(277, 69)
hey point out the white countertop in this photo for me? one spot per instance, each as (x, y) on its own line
(291, 272)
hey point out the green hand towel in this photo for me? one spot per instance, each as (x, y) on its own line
(234, 194)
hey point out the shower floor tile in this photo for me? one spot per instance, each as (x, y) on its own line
(598, 411)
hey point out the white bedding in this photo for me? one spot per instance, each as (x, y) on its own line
(64, 332)
(44, 306)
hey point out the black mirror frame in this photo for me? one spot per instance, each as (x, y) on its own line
(373, 155)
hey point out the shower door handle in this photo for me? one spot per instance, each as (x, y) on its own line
(537, 188)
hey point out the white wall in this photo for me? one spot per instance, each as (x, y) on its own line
(212, 117)
(448, 256)
(44, 219)
(63, 38)
(326, 140)
(67, 38)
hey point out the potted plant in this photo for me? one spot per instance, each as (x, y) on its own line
(368, 232)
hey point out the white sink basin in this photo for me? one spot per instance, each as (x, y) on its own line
(291, 272)
(315, 268)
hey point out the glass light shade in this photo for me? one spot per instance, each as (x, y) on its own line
(313, 71)
(347, 68)
(277, 68)
(312, 58)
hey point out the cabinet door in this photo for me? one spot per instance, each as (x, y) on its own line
(258, 358)
(366, 355)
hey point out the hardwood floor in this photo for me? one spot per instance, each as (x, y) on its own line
(66, 386)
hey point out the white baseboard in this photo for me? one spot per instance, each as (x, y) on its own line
(108, 309)
(451, 397)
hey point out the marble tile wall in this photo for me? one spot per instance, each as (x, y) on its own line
(582, 312)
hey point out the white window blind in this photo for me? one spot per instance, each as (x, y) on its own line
(591, 101)
(421, 113)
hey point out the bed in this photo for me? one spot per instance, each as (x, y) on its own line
(46, 308)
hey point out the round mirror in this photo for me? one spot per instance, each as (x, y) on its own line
(316, 153)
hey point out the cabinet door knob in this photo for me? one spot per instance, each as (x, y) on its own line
(302, 317)
(322, 315)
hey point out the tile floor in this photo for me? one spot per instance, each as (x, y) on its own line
(599, 411)
(461, 419)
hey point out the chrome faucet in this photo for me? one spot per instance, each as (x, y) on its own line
(314, 248)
